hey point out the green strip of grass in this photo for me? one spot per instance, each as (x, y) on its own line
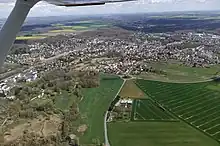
(94, 105)
(29, 37)
(156, 134)
(62, 30)
(180, 73)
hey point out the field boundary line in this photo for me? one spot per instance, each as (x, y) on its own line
(178, 82)
(107, 143)
(180, 110)
(156, 120)
(209, 121)
(204, 111)
(204, 117)
(133, 109)
(212, 127)
(150, 110)
(162, 112)
(192, 97)
(157, 104)
(176, 95)
(215, 133)
(140, 116)
(199, 109)
(155, 101)
(204, 101)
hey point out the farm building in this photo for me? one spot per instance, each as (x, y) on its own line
(126, 102)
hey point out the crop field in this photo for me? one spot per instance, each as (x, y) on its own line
(147, 110)
(80, 25)
(95, 103)
(195, 103)
(29, 37)
(179, 73)
(75, 27)
(62, 30)
(156, 134)
(131, 90)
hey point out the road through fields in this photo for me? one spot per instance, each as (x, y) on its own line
(105, 119)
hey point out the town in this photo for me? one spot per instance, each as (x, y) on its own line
(114, 51)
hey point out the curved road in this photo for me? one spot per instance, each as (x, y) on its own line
(105, 119)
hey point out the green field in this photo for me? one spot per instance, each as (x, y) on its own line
(180, 73)
(62, 30)
(77, 26)
(156, 134)
(195, 103)
(29, 37)
(95, 103)
(147, 110)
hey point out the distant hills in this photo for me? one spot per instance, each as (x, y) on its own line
(145, 22)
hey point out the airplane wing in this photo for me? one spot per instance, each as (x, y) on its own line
(72, 3)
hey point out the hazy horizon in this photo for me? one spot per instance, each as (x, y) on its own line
(43, 9)
(148, 13)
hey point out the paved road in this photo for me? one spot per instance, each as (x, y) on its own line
(105, 119)
(106, 131)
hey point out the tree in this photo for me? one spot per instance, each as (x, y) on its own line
(27, 113)
(1, 137)
(22, 95)
(64, 129)
(77, 92)
(14, 108)
(16, 90)
(96, 141)
(74, 111)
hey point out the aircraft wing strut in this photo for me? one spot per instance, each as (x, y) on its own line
(72, 3)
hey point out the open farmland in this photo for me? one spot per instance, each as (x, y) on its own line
(94, 105)
(131, 90)
(30, 37)
(147, 110)
(195, 103)
(179, 73)
(80, 25)
(156, 134)
(62, 30)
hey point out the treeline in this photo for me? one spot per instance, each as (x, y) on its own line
(19, 49)
(53, 82)
(167, 24)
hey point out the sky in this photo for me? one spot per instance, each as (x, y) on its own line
(45, 9)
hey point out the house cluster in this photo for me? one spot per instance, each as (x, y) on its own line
(189, 47)
(125, 55)
(7, 84)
